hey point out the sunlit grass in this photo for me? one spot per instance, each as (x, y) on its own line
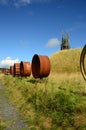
(53, 103)
(59, 99)
(66, 61)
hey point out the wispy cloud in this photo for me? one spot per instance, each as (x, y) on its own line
(18, 3)
(52, 43)
(40, 1)
(15, 2)
(7, 62)
(4, 2)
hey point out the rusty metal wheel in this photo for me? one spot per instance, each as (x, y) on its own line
(83, 62)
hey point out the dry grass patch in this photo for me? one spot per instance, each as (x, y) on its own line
(66, 61)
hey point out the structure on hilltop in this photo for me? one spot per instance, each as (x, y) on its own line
(65, 42)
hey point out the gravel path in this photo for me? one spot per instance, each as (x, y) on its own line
(9, 113)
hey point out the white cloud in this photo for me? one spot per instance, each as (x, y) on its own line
(52, 43)
(6, 63)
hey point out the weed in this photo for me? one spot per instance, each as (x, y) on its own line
(2, 124)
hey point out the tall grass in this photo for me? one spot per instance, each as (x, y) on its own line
(57, 102)
(54, 103)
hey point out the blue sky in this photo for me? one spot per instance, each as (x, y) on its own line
(29, 27)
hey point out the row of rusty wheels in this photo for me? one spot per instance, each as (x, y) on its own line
(83, 62)
(40, 67)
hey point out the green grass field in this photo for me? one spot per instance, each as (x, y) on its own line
(57, 102)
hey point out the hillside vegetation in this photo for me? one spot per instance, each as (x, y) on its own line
(57, 102)
(66, 61)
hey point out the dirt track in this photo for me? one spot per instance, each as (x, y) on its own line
(9, 113)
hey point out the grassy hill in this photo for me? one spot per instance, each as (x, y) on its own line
(66, 61)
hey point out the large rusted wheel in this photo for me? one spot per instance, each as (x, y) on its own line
(83, 62)
(40, 66)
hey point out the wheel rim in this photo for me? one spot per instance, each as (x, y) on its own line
(82, 62)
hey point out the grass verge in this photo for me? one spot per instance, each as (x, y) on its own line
(55, 103)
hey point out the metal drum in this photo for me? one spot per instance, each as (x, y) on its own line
(17, 69)
(25, 69)
(40, 66)
(12, 70)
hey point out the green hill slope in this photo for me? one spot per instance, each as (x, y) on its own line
(66, 61)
